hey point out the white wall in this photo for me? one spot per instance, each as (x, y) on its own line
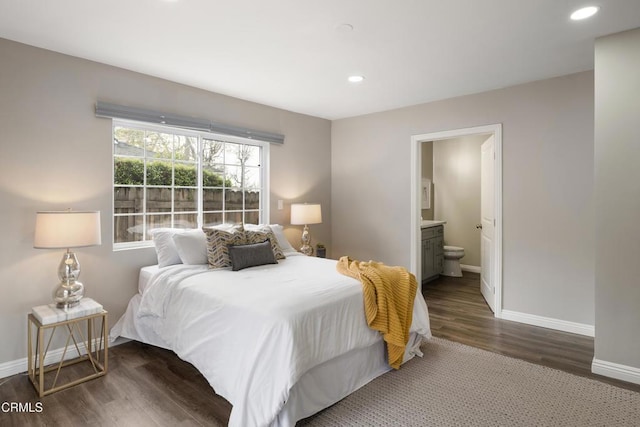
(54, 154)
(548, 234)
(617, 199)
(456, 179)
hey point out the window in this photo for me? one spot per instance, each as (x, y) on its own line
(168, 177)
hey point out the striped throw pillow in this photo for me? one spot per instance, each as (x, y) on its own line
(262, 234)
(218, 241)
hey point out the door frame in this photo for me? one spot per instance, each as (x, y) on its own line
(416, 187)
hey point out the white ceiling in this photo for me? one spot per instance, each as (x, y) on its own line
(292, 54)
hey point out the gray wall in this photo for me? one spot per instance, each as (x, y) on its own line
(548, 234)
(54, 154)
(456, 178)
(617, 198)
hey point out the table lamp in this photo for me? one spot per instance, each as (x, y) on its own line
(66, 230)
(305, 214)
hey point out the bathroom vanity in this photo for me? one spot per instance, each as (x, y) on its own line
(432, 249)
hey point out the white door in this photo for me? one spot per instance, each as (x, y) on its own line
(487, 285)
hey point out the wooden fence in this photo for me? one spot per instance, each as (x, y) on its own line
(129, 200)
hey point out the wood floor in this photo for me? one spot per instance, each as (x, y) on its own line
(149, 386)
(145, 386)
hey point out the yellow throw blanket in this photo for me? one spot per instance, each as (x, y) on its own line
(389, 293)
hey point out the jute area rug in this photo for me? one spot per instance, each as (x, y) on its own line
(457, 385)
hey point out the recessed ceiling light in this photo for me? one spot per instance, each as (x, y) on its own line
(344, 28)
(584, 13)
(355, 79)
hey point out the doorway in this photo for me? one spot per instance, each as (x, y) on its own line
(492, 253)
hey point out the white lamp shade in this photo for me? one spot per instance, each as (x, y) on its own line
(306, 213)
(67, 229)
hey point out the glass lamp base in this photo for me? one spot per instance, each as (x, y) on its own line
(68, 294)
(306, 240)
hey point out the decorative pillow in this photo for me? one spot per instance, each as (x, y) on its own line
(191, 246)
(258, 234)
(165, 247)
(251, 255)
(278, 231)
(218, 241)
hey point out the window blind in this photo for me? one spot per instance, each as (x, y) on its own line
(114, 111)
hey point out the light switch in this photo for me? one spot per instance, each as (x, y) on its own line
(280, 205)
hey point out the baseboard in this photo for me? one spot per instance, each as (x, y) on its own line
(615, 370)
(471, 268)
(19, 366)
(13, 367)
(548, 322)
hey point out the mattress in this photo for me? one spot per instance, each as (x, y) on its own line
(146, 273)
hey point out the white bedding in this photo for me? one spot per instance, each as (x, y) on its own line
(145, 276)
(255, 333)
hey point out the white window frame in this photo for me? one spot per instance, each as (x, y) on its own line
(264, 175)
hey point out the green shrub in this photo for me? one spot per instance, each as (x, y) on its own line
(185, 176)
(212, 179)
(131, 172)
(158, 173)
(128, 172)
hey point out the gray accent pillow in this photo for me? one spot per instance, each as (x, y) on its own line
(244, 256)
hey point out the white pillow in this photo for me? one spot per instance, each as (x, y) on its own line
(165, 247)
(278, 231)
(191, 246)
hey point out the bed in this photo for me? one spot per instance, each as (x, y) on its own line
(280, 342)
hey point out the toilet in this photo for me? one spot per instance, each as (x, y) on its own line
(452, 255)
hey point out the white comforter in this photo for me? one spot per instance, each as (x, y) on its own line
(255, 332)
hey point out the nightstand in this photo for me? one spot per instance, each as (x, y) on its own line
(84, 331)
